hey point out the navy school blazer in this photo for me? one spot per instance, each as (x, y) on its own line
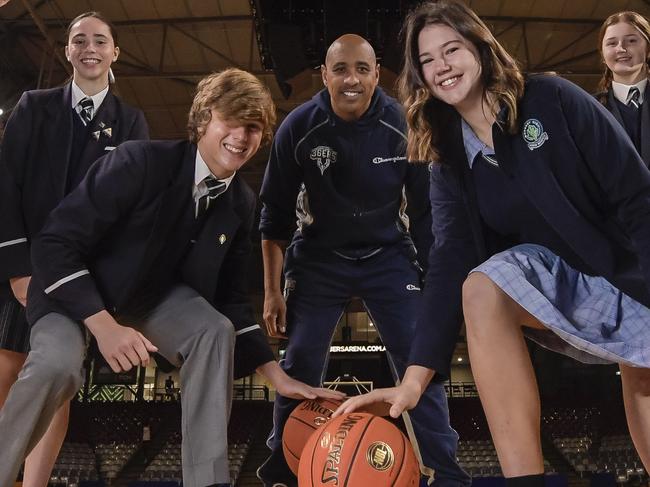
(34, 161)
(102, 242)
(607, 98)
(579, 169)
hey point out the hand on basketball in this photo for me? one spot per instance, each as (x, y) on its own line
(122, 347)
(19, 287)
(275, 314)
(295, 389)
(391, 401)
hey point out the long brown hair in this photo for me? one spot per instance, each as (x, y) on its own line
(637, 21)
(500, 74)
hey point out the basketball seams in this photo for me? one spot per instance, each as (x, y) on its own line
(401, 465)
(311, 470)
(356, 450)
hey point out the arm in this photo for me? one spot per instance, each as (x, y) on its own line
(451, 257)
(615, 165)
(232, 298)
(15, 260)
(69, 238)
(419, 209)
(275, 308)
(292, 388)
(282, 180)
(392, 401)
(74, 230)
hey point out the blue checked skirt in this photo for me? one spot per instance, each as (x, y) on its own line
(587, 317)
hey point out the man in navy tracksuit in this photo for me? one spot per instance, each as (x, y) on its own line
(338, 162)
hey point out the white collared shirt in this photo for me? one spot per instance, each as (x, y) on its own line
(202, 171)
(78, 95)
(621, 91)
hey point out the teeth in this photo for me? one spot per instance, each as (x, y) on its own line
(90, 61)
(234, 149)
(350, 93)
(449, 81)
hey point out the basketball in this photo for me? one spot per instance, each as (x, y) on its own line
(358, 449)
(307, 417)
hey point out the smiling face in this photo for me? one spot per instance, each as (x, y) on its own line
(450, 66)
(351, 75)
(625, 52)
(226, 145)
(91, 50)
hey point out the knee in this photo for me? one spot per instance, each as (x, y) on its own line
(637, 380)
(61, 373)
(220, 331)
(478, 295)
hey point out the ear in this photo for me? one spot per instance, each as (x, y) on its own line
(67, 53)
(323, 74)
(116, 53)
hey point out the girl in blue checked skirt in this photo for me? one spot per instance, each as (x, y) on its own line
(541, 217)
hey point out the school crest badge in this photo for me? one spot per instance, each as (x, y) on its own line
(534, 134)
(323, 156)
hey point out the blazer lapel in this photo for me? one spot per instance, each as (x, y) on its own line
(58, 143)
(645, 126)
(172, 205)
(104, 130)
(613, 107)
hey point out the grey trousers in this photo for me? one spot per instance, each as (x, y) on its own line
(188, 332)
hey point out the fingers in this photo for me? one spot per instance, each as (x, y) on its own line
(148, 345)
(397, 409)
(114, 365)
(330, 394)
(282, 320)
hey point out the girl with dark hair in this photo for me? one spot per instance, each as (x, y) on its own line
(541, 217)
(624, 44)
(51, 139)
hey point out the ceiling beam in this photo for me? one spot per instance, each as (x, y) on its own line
(43, 28)
(26, 23)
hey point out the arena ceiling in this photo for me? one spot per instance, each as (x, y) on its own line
(167, 45)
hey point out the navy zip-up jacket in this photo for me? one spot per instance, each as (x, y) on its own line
(350, 179)
(579, 169)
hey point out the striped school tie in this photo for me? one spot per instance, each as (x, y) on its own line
(86, 108)
(215, 188)
(633, 97)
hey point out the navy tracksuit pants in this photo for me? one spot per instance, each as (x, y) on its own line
(318, 288)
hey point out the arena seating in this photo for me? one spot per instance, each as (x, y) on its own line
(103, 437)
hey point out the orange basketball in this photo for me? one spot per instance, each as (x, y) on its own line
(308, 416)
(358, 449)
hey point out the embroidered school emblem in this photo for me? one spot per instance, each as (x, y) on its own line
(534, 134)
(324, 156)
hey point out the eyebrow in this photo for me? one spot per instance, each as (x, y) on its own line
(426, 53)
(633, 34)
(81, 34)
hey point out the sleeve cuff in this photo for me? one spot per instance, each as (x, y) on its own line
(251, 351)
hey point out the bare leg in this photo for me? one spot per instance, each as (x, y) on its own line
(10, 365)
(40, 462)
(636, 396)
(504, 374)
